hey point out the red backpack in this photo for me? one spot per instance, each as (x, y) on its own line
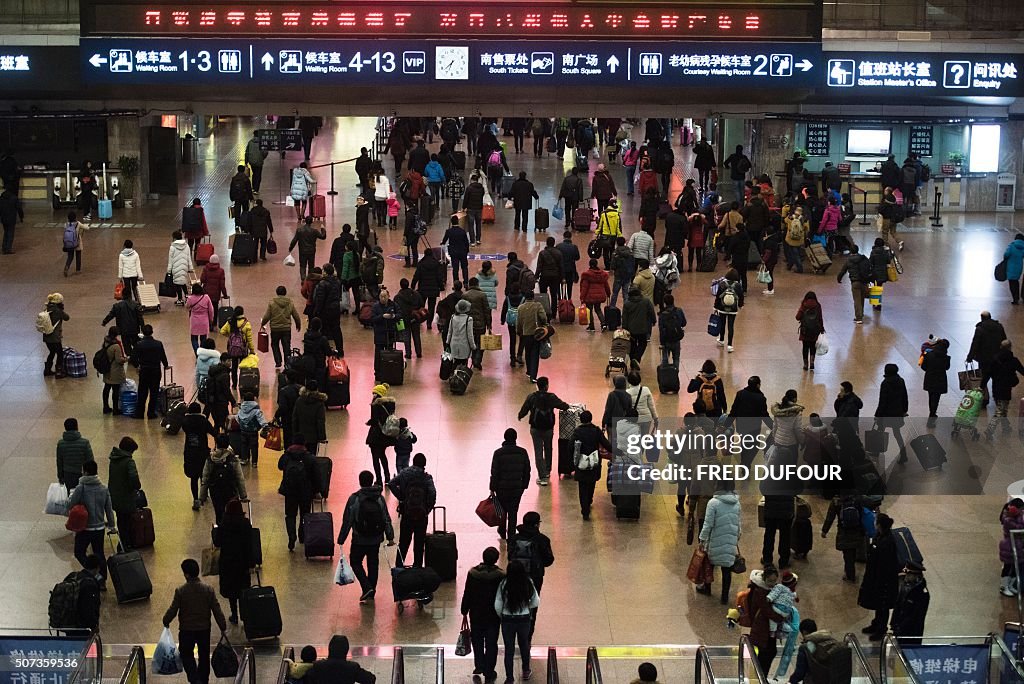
(78, 518)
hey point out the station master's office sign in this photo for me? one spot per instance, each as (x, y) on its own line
(929, 73)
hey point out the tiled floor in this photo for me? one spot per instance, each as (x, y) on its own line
(612, 583)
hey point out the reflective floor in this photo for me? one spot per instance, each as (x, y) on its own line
(612, 582)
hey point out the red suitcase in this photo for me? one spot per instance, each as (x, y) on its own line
(318, 207)
(204, 250)
(582, 218)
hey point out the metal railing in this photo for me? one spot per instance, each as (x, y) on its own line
(703, 672)
(247, 668)
(287, 655)
(1014, 535)
(1007, 660)
(552, 666)
(859, 659)
(745, 648)
(899, 671)
(90, 663)
(593, 667)
(398, 666)
(135, 670)
(439, 671)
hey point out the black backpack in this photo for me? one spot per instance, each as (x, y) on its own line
(369, 520)
(222, 481)
(810, 325)
(296, 482)
(830, 663)
(101, 360)
(671, 331)
(237, 189)
(63, 607)
(524, 551)
(414, 503)
(543, 415)
(849, 514)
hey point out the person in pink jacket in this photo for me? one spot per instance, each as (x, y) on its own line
(200, 315)
(829, 224)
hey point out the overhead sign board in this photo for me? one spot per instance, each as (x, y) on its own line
(925, 73)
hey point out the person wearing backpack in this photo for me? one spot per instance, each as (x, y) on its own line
(218, 391)
(812, 325)
(240, 192)
(739, 165)
(73, 452)
(623, 266)
(383, 428)
(749, 412)
(728, 302)
(540, 406)
(509, 316)
(710, 391)
(128, 317)
(845, 513)
(414, 488)
(197, 430)
(50, 322)
(572, 192)
(367, 518)
(222, 478)
(671, 329)
(859, 268)
(300, 480)
(109, 362)
(238, 330)
(72, 242)
(532, 548)
(588, 440)
(821, 658)
(496, 166)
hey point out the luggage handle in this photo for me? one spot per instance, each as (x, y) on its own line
(444, 518)
(118, 547)
(169, 370)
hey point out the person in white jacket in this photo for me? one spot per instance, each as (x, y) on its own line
(381, 191)
(179, 265)
(129, 270)
(646, 411)
(642, 245)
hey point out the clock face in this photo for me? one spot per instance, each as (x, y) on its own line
(451, 63)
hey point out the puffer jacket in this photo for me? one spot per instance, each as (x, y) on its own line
(245, 328)
(594, 287)
(213, 279)
(429, 277)
(480, 308)
(91, 493)
(510, 469)
(200, 314)
(846, 537)
(489, 285)
(830, 219)
(602, 186)
(205, 358)
(645, 281)
(721, 532)
(217, 458)
(1014, 256)
(1010, 523)
(250, 417)
(349, 266)
(478, 595)
(128, 264)
(179, 261)
(73, 451)
(638, 316)
(124, 480)
(642, 245)
(549, 265)
(434, 173)
(310, 415)
(380, 409)
(788, 424)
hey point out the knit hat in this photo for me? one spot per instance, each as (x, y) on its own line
(463, 306)
(381, 390)
(55, 298)
(214, 259)
(788, 577)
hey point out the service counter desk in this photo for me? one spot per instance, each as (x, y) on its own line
(960, 192)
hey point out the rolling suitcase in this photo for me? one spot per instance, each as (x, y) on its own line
(224, 312)
(612, 318)
(440, 549)
(545, 300)
(128, 574)
(338, 395)
(389, 367)
(148, 299)
(929, 452)
(668, 379)
(142, 531)
(249, 380)
(566, 457)
(541, 218)
(260, 612)
(204, 250)
(708, 259)
(906, 548)
(801, 538)
(318, 534)
(244, 249)
(459, 380)
(318, 207)
(106, 209)
(582, 218)
(255, 542)
(506, 185)
(818, 257)
(173, 418)
(169, 394)
(566, 309)
(324, 469)
(413, 584)
(627, 506)
(460, 160)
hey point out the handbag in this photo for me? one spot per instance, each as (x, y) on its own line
(166, 287)
(763, 276)
(490, 511)
(263, 340)
(464, 644)
(119, 290)
(140, 499)
(421, 314)
(403, 250)
(231, 211)
(275, 439)
(892, 274)
(557, 212)
(224, 660)
(970, 377)
(545, 349)
(271, 246)
(343, 574)
(700, 570)
(509, 204)
(739, 566)
(715, 324)
(210, 562)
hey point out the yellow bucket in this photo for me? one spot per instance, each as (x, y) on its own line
(875, 295)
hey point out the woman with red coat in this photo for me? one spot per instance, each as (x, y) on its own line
(694, 238)
(213, 280)
(594, 292)
(811, 326)
(193, 225)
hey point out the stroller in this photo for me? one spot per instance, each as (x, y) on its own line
(967, 413)
(618, 357)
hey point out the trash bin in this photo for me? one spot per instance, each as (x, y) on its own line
(189, 150)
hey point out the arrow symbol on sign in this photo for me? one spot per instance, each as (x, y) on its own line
(805, 65)
(96, 60)
(613, 63)
(267, 60)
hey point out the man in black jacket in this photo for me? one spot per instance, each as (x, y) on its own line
(11, 212)
(458, 249)
(300, 480)
(549, 272)
(327, 307)
(478, 603)
(363, 164)
(572, 193)
(523, 193)
(416, 494)
(510, 476)
(473, 204)
(240, 193)
(367, 518)
(540, 406)
(261, 226)
(890, 173)
(337, 668)
(859, 268)
(988, 335)
(591, 439)
(338, 248)
(419, 157)
(287, 395)
(428, 280)
(749, 411)
(127, 315)
(148, 356)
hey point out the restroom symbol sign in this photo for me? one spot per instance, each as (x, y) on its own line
(840, 73)
(650, 64)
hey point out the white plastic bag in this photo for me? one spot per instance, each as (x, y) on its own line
(289, 260)
(821, 346)
(166, 658)
(346, 301)
(343, 573)
(56, 500)
(289, 201)
(509, 204)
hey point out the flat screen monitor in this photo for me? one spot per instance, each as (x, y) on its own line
(868, 141)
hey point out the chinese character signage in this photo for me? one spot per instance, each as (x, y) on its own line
(39, 660)
(818, 139)
(277, 139)
(943, 664)
(921, 141)
(925, 73)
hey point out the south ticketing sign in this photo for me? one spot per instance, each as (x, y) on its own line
(384, 62)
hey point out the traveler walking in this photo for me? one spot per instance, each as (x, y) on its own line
(194, 603)
(510, 476)
(367, 518)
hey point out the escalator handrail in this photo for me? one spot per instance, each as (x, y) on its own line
(889, 641)
(703, 662)
(289, 654)
(853, 642)
(552, 666)
(398, 666)
(439, 672)
(1009, 655)
(94, 642)
(136, 656)
(745, 643)
(593, 667)
(247, 667)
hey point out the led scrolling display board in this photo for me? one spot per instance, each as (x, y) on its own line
(793, 20)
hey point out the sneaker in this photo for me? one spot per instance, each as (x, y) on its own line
(367, 596)
(721, 343)
(729, 349)
(544, 482)
(858, 321)
(768, 292)
(527, 675)
(540, 480)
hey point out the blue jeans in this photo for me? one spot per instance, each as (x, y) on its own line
(513, 630)
(740, 190)
(793, 257)
(618, 286)
(672, 349)
(474, 224)
(630, 177)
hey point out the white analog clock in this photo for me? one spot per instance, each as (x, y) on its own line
(451, 63)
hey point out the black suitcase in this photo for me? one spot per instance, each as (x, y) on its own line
(249, 381)
(169, 393)
(224, 312)
(929, 452)
(324, 468)
(541, 218)
(460, 160)
(440, 548)
(389, 367)
(627, 506)
(612, 318)
(459, 381)
(260, 612)
(318, 534)
(338, 395)
(244, 251)
(128, 574)
(668, 379)
(255, 542)
(174, 417)
(566, 457)
(408, 584)
(801, 538)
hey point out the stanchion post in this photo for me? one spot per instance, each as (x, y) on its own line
(332, 191)
(864, 219)
(936, 213)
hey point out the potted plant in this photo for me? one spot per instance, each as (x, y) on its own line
(129, 167)
(957, 159)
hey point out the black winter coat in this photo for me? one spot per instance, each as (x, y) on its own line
(590, 438)
(880, 586)
(429, 277)
(309, 416)
(1004, 370)
(127, 316)
(676, 230)
(523, 193)
(749, 411)
(756, 216)
(327, 298)
(935, 367)
(234, 539)
(987, 337)
(510, 469)
(197, 428)
(892, 398)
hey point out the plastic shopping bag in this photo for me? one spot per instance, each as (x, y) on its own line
(166, 658)
(343, 573)
(821, 346)
(56, 499)
(289, 260)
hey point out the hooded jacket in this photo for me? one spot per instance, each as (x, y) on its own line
(892, 394)
(250, 417)
(761, 610)
(117, 358)
(179, 261)
(310, 415)
(489, 286)
(935, 365)
(721, 532)
(788, 424)
(348, 521)
(218, 385)
(73, 451)
(205, 358)
(460, 331)
(812, 333)
(200, 314)
(638, 315)
(645, 280)
(243, 326)
(92, 494)
(1014, 256)
(594, 287)
(127, 316)
(429, 277)
(213, 280)
(433, 172)
(337, 668)
(217, 458)
(543, 556)
(846, 537)
(280, 314)
(479, 308)
(380, 409)
(572, 189)
(128, 264)
(124, 480)
(1004, 370)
